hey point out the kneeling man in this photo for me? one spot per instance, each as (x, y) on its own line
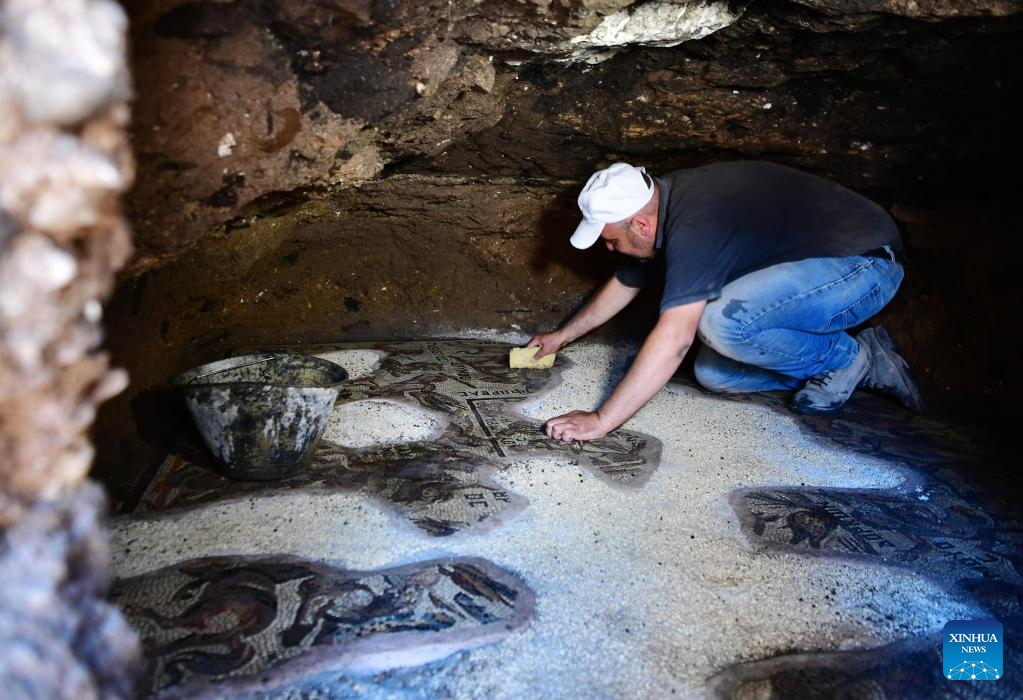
(770, 266)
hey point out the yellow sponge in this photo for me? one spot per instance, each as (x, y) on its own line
(523, 357)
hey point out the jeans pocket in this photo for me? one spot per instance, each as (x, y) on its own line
(859, 311)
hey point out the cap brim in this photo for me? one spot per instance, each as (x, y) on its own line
(586, 234)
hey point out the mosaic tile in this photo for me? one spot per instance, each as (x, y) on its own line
(952, 520)
(227, 625)
(443, 485)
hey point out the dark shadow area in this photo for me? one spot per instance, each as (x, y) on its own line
(956, 519)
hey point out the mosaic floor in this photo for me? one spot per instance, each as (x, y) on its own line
(233, 625)
(949, 521)
(245, 626)
(441, 485)
(219, 626)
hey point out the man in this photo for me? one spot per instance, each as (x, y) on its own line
(768, 265)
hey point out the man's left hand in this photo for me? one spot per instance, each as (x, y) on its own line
(576, 426)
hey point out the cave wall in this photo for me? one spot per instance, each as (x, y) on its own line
(354, 169)
(65, 161)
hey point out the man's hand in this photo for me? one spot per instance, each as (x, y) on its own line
(577, 425)
(546, 343)
(612, 298)
(660, 356)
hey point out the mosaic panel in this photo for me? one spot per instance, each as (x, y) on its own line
(444, 485)
(953, 520)
(225, 625)
(945, 537)
(946, 521)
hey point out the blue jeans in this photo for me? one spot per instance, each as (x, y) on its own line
(777, 327)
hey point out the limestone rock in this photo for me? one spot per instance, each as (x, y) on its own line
(340, 92)
(64, 162)
(59, 639)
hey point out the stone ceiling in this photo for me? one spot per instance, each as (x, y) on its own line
(243, 104)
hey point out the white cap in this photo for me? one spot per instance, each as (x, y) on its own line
(610, 195)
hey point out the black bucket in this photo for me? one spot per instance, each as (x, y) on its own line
(262, 415)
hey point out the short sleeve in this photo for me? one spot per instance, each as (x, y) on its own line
(633, 272)
(696, 272)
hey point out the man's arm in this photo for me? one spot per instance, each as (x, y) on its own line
(612, 298)
(657, 361)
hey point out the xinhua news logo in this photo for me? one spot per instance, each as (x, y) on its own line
(972, 650)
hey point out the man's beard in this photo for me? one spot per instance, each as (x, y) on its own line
(637, 244)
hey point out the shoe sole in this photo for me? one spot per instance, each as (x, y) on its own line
(813, 410)
(898, 381)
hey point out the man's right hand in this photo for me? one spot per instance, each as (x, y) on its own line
(546, 343)
(612, 298)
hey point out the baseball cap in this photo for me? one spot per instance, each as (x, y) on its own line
(610, 195)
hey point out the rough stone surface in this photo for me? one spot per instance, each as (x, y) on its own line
(882, 104)
(245, 99)
(64, 162)
(926, 9)
(59, 638)
(655, 24)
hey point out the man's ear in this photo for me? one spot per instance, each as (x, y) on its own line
(644, 226)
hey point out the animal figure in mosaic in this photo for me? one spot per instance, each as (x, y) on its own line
(444, 485)
(945, 537)
(223, 625)
(938, 523)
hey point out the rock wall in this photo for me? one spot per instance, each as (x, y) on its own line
(342, 169)
(245, 98)
(64, 162)
(60, 638)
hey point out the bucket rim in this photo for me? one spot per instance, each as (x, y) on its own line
(187, 379)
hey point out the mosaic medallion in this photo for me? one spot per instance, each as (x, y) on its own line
(226, 625)
(948, 521)
(442, 485)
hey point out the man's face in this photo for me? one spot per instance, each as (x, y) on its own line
(624, 239)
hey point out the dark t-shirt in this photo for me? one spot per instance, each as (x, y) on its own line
(719, 222)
